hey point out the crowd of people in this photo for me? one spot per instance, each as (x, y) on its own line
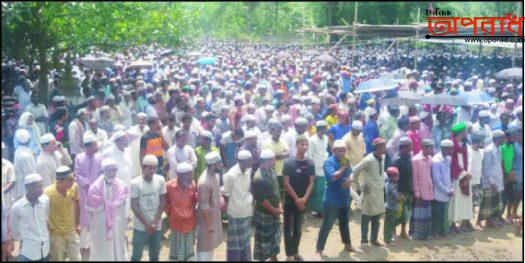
(262, 137)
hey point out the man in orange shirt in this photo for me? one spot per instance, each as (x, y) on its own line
(180, 202)
(153, 143)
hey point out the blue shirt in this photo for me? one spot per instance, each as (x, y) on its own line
(391, 195)
(339, 130)
(441, 178)
(370, 132)
(334, 194)
(518, 162)
(4, 222)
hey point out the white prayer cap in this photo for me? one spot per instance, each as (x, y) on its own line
(447, 143)
(81, 111)
(475, 77)
(107, 162)
(320, 123)
(468, 83)
(301, 121)
(250, 117)
(269, 108)
(88, 138)
(212, 157)
(316, 101)
(372, 112)
(47, 138)
(286, 118)
(358, 125)
(491, 81)
(32, 178)
(498, 133)
(63, 172)
(22, 136)
(118, 135)
(184, 167)
(244, 155)
(56, 98)
(250, 134)
(207, 134)
(267, 154)
(141, 114)
(339, 144)
(404, 141)
(150, 159)
(484, 113)
(237, 98)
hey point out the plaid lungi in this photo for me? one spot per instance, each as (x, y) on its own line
(267, 236)
(439, 217)
(238, 248)
(182, 245)
(315, 203)
(421, 219)
(491, 205)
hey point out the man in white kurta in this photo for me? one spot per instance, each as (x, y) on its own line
(24, 162)
(50, 158)
(107, 213)
(460, 207)
(8, 179)
(180, 152)
(135, 132)
(120, 152)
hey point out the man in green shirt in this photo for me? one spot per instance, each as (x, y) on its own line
(507, 158)
(390, 125)
(267, 209)
(205, 146)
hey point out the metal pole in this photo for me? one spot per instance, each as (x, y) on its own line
(417, 36)
(354, 36)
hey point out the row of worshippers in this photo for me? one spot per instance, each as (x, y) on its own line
(425, 190)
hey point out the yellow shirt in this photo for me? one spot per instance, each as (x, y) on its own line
(330, 120)
(355, 148)
(278, 148)
(61, 209)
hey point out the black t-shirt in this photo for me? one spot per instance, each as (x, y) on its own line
(299, 173)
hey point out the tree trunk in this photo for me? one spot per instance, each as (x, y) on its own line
(42, 77)
(332, 19)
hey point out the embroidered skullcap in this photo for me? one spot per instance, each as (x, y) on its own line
(150, 159)
(32, 178)
(244, 155)
(447, 143)
(212, 157)
(63, 172)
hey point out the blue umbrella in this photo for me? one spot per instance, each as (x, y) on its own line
(476, 97)
(206, 60)
(377, 85)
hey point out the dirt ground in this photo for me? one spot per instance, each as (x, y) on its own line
(488, 245)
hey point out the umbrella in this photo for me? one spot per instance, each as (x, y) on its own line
(141, 64)
(167, 53)
(206, 60)
(376, 85)
(476, 97)
(311, 52)
(98, 63)
(404, 97)
(510, 74)
(283, 55)
(195, 54)
(444, 99)
(326, 58)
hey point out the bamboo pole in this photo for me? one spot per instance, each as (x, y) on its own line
(417, 36)
(354, 35)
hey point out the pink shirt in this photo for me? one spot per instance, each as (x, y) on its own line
(424, 131)
(421, 177)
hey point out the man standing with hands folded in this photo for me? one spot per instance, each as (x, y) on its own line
(299, 179)
(147, 202)
(336, 200)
